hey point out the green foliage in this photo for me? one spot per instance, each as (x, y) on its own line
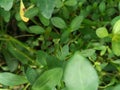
(76, 22)
(49, 80)
(102, 32)
(102, 7)
(117, 87)
(116, 28)
(79, 74)
(58, 22)
(71, 2)
(116, 44)
(36, 29)
(65, 45)
(116, 38)
(33, 14)
(10, 79)
(6, 4)
(46, 7)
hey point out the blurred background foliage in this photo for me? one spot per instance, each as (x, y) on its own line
(41, 49)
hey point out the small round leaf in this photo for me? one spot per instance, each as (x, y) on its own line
(102, 32)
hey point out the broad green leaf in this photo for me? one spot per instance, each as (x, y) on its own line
(89, 22)
(58, 4)
(41, 58)
(79, 74)
(10, 79)
(46, 7)
(102, 32)
(63, 52)
(114, 20)
(5, 14)
(70, 2)
(57, 62)
(10, 60)
(76, 22)
(117, 87)
(58, 22)
(65, 36)
(87, 52)
(44, 20)
(116, 27)
(116, 61)
(111, 11)
(30, 13)
(17, 16)
(6, 4)
(21, 56)
(36, 29)
(65, 12)
(102, 7)
(31, 75)
(116, 44)
(22, 26)
(48, 80)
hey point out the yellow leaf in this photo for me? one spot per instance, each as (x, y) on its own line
(22, 12)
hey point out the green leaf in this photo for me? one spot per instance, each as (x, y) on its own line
(117, 87)
(21, 56)
(114, 20)
(44, 20)
(102, 7)
(111, 11)
(58, 4)
(30, 13)
(116, 61)
(31, 75)
(22, 26)
(116, 27)
(17, 16)
(76, 22)
(10, 79)
(10, 60)
(119, 6)
(48, 80)
(65, 36)
(116, 44)
(58, 22)
(57, 62)
(6, 4)
(102, 32)
(63, 52)
(79, 74)
(36, 29)
(41, 58)
(100, 47)
(46, 7)
(70, 2)
(65, 12)
(33, 1)
(5, 14)
(87, 52)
